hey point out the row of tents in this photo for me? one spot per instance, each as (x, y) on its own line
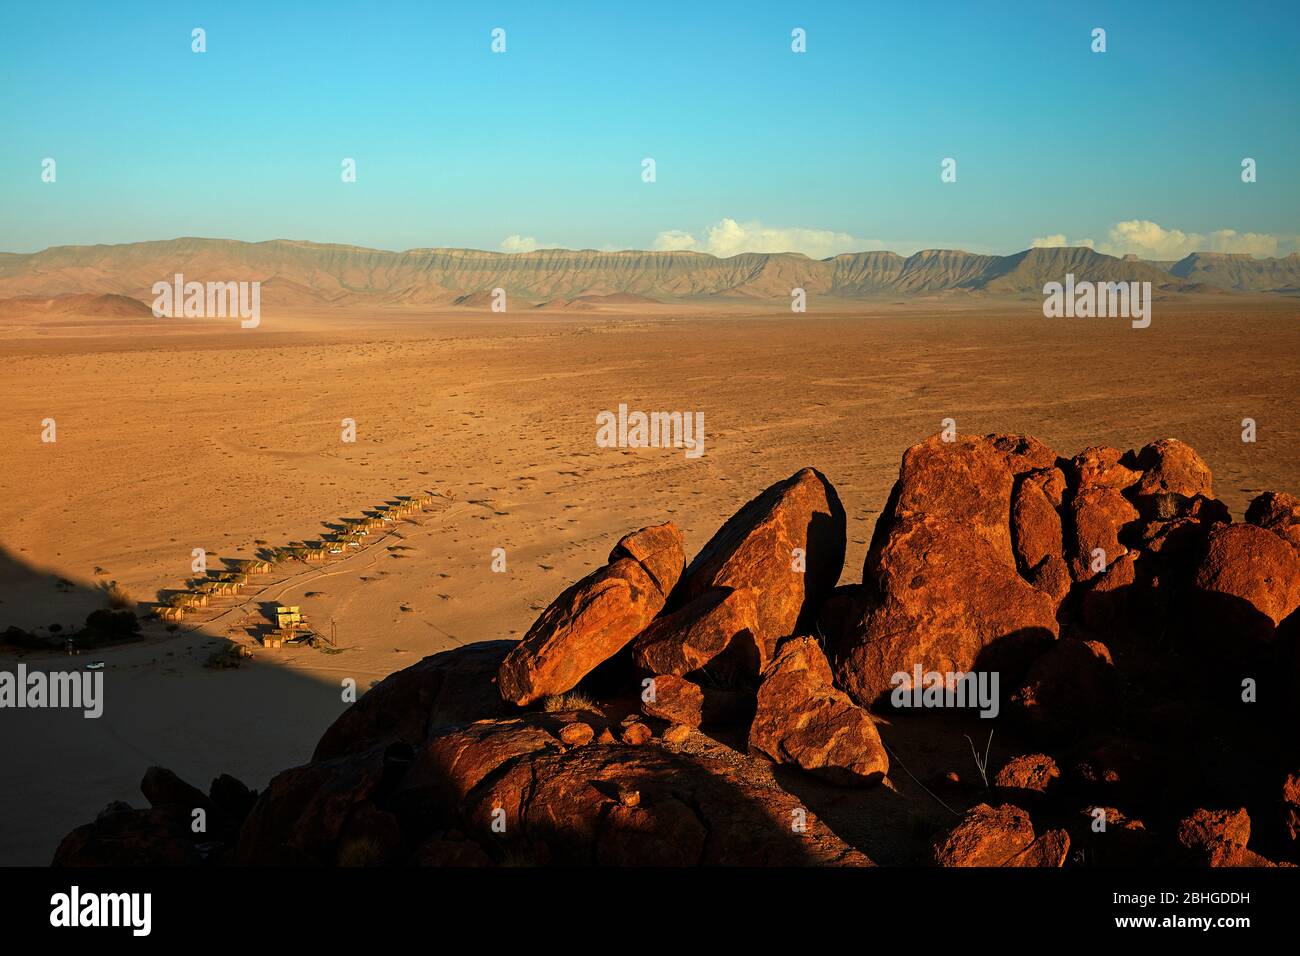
(228, 582)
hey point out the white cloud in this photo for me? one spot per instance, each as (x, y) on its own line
(1150, 240)
(517, 243)
(1048, 242)
(729, 238)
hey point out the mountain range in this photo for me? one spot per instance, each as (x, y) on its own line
(307, 273)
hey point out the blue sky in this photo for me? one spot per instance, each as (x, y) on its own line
(755, 146)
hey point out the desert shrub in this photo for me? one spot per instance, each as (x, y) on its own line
(573, 700)
(112, 625)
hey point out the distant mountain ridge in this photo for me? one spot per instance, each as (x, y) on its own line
(297, 272)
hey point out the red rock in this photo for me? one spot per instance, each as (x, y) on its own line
(998, 837)
(1036, 772)
(674, 699)
(1097, 517)
(449, 766)
(636, 733)
(948, 603)
(1219, 838)
(1169, 465)
(803, 720)
(1247, 582)
(718, 626)
(943, 575)
(577, 733)
(677, 733)
(452, 687)
(1049, 850)
(595, 618)
(1102, 467)
(1291, 805)
(1023, 453)
(966, 482)
(1279, 513)
(1036, 535)
(755, 548)
(1070, 689)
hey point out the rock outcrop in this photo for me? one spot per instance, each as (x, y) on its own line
(657, 713)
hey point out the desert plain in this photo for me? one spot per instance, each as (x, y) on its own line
(181, 434)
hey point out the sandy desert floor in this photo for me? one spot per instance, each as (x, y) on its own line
(182, 435)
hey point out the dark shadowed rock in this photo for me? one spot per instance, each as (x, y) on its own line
(1069, 690)
(451, 687)
(1279, 513)
(802, 719)
(756, 548)
(595, 618)
(302, 817)
(129, 838)
(643, 806)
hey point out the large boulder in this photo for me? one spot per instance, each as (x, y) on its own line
(947, 593)
(1036, 534)
(451, 687)
(1097, 516)
(1246, 583)
(796, 523)
(1170, 466)
(720, 625)
(802, 719)
(644, 806)
(595, 618)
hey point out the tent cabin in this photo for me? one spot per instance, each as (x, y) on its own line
(188, 600)
(225, 588)
(206, 587)
(315, 555)
(287, 618)
(166, 613)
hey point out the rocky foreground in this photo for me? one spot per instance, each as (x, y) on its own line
(744, 709)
